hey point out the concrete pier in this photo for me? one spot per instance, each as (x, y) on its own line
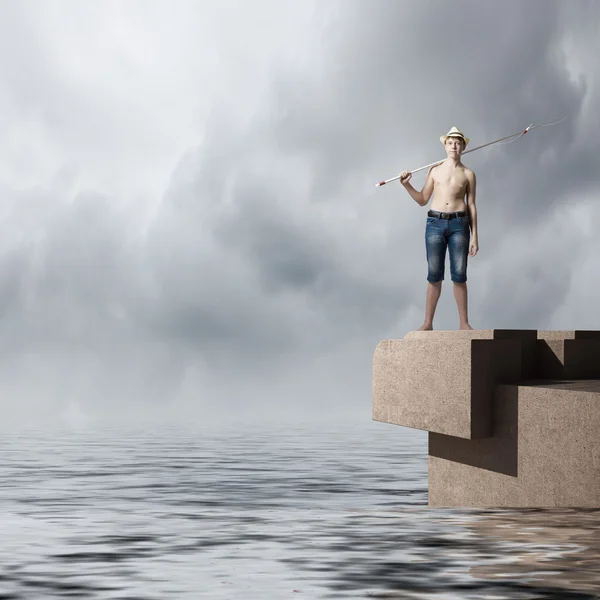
(513, 415)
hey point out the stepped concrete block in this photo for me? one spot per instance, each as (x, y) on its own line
(527, 337)
(545, 451)
(513, 415)
(443, 381)
(568, 354)
(568, 334)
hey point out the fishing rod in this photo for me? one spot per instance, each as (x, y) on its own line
(516, 136)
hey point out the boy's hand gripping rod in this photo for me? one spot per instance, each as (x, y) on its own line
(508, 137)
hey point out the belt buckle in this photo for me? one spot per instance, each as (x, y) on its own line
(445, 216)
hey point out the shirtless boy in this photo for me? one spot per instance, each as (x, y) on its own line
(448, 224)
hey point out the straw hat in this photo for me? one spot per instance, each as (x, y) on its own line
(454, 132)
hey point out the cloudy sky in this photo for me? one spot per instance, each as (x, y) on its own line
(190, 227)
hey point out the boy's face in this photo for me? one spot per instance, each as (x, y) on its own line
(454, 146)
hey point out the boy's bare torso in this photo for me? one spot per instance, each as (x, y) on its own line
(450, 187)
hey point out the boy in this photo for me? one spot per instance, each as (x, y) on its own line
(448, 224)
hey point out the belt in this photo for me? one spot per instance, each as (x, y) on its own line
(445, 215)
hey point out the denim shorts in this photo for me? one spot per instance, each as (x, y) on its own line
(453, 234)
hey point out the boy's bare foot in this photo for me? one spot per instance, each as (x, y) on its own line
(466, 326)
(425, 327)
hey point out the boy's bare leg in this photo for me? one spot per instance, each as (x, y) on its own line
(433, 295)
(461, 297)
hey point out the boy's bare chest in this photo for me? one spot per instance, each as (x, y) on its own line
(454, 181)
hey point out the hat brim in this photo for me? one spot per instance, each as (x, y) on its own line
(443, 138)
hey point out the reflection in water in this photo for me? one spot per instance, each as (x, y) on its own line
(553, 548)
(261, 514)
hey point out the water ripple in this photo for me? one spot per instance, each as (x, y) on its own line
(261, 514)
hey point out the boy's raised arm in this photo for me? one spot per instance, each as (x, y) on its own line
(422, 197)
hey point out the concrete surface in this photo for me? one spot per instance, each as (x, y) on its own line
(513, 415)
(440, 386)
(545, 452)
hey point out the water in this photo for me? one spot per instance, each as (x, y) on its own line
(266, 513)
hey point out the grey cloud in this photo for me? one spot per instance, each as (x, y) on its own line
(339, 118)
(400, 76)
(286, 251)
(272, 266)
(295, 253)
(412, 72)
